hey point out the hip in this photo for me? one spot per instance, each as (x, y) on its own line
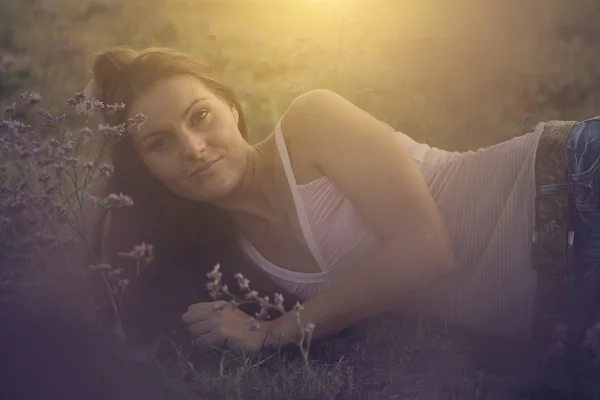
(566, 242)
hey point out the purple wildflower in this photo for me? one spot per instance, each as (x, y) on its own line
(141, 252)
(85, 132)
(31, 98)
(118, 200)
(111, 109)
(136, 122)
(106, 169)
(79, 98)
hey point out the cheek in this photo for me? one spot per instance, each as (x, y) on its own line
(233, 139)
(165, 167)
(226, 125)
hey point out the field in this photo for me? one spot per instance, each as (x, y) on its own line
(458, 75)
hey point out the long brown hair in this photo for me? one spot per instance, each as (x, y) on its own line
(161, 217)
(188, 237)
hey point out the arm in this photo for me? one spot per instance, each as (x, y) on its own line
(364, 159)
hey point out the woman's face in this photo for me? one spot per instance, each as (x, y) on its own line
(190, 140)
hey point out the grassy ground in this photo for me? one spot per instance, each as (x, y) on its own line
(57, 350)
(386, 358)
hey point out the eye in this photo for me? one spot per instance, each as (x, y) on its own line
(198, 117)
(158, 144)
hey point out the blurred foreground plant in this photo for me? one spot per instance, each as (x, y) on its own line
(46, 199)
(45, 191)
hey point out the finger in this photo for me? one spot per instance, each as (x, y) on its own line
(207, 306)
(202, 311)
(190, 318)
(201, 328)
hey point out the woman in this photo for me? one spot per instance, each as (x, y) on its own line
(334, 206)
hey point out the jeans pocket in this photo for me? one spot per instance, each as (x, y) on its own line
(585, 185)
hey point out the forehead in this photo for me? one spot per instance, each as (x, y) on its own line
(168, 98)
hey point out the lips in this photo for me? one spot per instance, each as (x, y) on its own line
(204, 167)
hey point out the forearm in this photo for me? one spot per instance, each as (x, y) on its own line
(374, 286)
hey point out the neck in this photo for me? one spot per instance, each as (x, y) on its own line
(254, 196)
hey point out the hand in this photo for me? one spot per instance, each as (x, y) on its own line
(218, 324)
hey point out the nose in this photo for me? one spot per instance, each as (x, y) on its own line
(193, 146)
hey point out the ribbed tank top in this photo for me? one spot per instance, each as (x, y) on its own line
(486, 198)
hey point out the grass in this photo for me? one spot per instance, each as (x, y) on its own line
(388, 357)
(58, 349)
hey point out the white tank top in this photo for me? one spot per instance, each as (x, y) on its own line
(486, 198)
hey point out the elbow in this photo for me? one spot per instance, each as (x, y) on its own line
(433, 252)
(440, 252)
(447, 260)
(441, 240)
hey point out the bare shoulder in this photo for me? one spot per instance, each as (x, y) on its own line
(310, 105)
(363, 157)
(315, 96)
(320, 121)
(298, 132)
(309, 119)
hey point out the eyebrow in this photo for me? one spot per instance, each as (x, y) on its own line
(192, 104)
(183, 116)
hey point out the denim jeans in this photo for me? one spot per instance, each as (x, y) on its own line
(574, 371)
(583, 168)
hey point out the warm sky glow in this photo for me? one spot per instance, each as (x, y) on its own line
(423, 61)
